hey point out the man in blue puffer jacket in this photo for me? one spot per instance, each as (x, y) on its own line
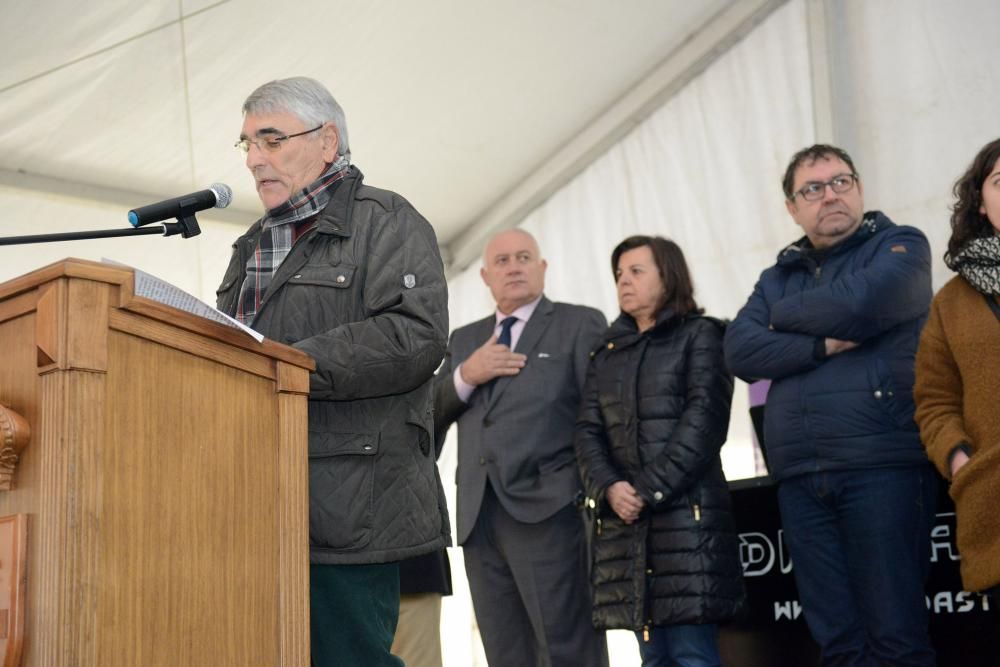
(835, 325)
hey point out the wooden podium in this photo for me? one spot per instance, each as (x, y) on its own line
(160, 501)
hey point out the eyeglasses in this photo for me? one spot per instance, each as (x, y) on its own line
(270, 143)
(814, 190)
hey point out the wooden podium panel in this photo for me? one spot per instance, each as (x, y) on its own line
(165, 481)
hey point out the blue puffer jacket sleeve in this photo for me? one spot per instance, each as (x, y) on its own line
(755, 351)
(894, 287)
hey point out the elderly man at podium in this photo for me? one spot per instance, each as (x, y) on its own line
(351, 275)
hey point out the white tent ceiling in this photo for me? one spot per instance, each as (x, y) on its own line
(456, 104)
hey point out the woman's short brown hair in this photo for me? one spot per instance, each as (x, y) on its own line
(678, 288)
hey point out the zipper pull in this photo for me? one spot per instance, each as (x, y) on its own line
(598, 526)
(645, 633)
(819, 270)
(697, 512)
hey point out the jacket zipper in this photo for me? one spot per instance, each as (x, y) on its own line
(697, 512)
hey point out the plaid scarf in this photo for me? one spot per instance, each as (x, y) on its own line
(281, 228)
(979, 263)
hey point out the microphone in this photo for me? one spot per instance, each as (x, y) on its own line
(218, 195)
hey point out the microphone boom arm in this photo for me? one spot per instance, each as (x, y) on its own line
(186, 227)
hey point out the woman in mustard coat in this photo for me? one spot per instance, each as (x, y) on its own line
(958, 371)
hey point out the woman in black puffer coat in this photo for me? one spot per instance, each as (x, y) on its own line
(655, 413)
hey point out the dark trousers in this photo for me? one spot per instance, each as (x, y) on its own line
(860, 547)
(530, 589)
(353, 614)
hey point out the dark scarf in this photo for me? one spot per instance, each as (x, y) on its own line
(280, 228)
(979, 263)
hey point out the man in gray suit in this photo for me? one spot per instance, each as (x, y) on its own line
(512, 381)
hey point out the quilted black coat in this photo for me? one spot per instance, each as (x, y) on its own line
(655, 413)
(364, 294)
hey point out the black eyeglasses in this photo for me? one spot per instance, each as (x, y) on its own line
(814, 190)
(270, 143)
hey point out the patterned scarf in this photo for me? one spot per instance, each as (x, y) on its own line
(281, 227)
(979, 263)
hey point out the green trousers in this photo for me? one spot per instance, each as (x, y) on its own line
(353, 614)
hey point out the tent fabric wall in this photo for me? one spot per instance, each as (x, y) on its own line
(916, 88)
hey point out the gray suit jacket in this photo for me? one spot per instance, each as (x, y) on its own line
(519, 434)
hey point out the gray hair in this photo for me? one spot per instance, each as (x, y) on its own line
(307, 99)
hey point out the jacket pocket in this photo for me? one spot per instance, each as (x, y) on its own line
(341, 489)
(973, 490)
(423, 425)
(340, 276)
(898, 410)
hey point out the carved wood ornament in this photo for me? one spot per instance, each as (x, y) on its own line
(14, 436)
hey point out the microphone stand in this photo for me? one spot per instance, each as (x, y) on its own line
(186, 227)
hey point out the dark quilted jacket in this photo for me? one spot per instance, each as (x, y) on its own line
(655, 413)
(364, 294)
(854, 409)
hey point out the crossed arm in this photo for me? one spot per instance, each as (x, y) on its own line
(775, 335)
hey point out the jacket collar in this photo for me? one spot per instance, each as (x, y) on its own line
(336, 217)
(625, 331)
(802, 250)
